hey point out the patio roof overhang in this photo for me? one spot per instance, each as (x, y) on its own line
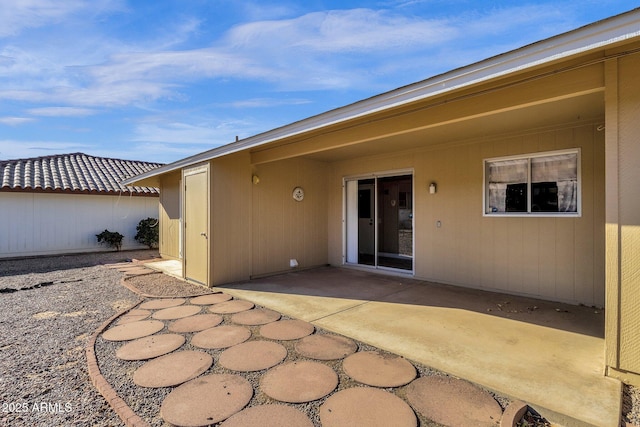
(514, 68)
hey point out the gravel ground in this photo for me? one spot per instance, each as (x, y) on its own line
(45, 324)
(50, 306)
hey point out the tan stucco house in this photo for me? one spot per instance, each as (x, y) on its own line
(518, 174)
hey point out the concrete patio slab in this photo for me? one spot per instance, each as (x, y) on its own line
(547, 354)
(171, 267)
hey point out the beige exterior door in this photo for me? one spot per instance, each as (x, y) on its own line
(196, 224)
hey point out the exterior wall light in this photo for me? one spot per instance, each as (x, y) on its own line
(432, 188)
(255, 179)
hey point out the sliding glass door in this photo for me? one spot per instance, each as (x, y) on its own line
(379, 222)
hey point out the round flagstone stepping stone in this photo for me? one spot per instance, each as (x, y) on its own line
(232, 306)
(253, 356)
(196, 323)
(150, 347)
(156, 304)
(221, 336)
(451, 401)
(210, 299)
(177, 312)
(365, 406)
(326, 347)
(131, 331)
(268, 416)
(298, 382)
(133, 316)
(375, 369)
(172, 369)
(286, 330)
(206, 400)
(257, 316)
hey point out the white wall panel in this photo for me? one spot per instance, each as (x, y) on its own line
(41, 223)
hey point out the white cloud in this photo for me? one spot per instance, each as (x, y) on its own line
(338, 31)
(210, 134)
(61, 112)
(15, 121)
(16, 16)
(339, 49)
(268, 102)
(12, 149)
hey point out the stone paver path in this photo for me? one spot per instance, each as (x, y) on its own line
(134, 316)
(287, 330)
(375, 369)
(366, 407)
(298, 382)
(133, 330)
(172, 369)
(326, 347)
(268, 416)
(157, 304)
(206, 400)
(178, 312)
(430, 396)
(196, 323)
(150, 347)
(210, 349)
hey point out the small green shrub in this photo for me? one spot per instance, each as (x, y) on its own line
(147, 232)
(113, 239)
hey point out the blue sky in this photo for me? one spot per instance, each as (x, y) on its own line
(162, 80)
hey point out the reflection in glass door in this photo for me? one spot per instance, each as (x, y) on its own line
(379, 222)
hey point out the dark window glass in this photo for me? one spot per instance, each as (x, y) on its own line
(364, 203)
(516, 198)
(544, 197)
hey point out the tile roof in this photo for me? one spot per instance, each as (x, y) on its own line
(74, 173)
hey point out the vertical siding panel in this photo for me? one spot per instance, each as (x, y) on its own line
(566, 234)
(565, 260)
(487, 232)
(515, 255)
(284, 228)
(546, 141)
(585, 263)
(599, 222)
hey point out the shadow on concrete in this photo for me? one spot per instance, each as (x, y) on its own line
(352, 284)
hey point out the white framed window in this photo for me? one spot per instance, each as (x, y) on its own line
(538, 184)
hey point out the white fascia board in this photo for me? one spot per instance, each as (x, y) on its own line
(588, 38)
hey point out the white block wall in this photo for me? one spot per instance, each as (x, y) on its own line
(48, 224)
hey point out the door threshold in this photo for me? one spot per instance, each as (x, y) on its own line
(382, 270)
